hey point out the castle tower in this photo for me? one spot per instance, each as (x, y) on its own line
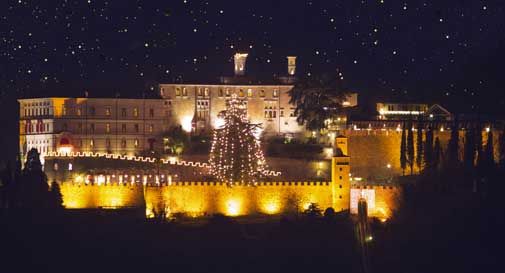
(340, 175)
(240, 60)
(291, 65)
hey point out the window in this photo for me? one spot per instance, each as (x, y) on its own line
(136, 143)
(340, 177)
(151, 128)
(123, 112)
(123, 143)
(206, 93)
(200, 91)
(107, 111)
(227, 91)
(92, 127)
(241, 93)
(92, 111)
(136, 126)
(135, 112)
(151, 113)
(275, 93)
(184, 92)
(177, 91)
(79, 111)
(107, 128)
(63, 111)
(220, 92)
(91, 143)
(249, 92)
(262, 93)
(282, 113)
(107, 142)
(123, 128)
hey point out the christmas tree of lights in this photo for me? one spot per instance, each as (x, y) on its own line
(236, 156)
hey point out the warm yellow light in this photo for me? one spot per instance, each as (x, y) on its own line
(218, 122)
(65, 149)
(232, 207)
(271, 207)
(186, 123)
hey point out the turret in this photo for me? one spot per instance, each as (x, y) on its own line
(340, 175)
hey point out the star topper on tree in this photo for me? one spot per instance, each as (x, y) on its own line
(236, 156)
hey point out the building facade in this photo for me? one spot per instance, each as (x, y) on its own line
(118, 126)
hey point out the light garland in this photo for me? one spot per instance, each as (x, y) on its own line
(235, 155)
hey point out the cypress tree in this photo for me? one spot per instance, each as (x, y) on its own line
(453, 146)
(469, 150)
(501, 144)
(403, 151)
(428, 149)
(419, 146)
(489, 152)
(479, 148)
(55, 197)
(410, 148)
(437, 154)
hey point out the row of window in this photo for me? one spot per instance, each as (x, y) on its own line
(108, 128)
(123, 143)
(204, 92)
(135, 112)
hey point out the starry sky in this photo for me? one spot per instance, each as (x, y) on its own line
(449, 51)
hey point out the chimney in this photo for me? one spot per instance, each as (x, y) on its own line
(291, 65)
(240, 60)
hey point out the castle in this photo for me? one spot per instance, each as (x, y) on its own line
(158, 193)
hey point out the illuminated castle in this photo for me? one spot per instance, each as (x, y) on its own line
(133, 126)
(158, 193)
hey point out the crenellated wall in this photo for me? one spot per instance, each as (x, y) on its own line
(83, 196)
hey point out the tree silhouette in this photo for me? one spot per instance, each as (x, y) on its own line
(403, 151)
(419, 146)
(428, 149)
(32, 188)
(313, 211)
(437, 154)
(317, 99)
(453, 146)
(469, 149)
(55, 197)
(501, 144)
(410, 148)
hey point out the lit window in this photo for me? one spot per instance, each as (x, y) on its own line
(199, 91)
(262, 93)
(151, 128)
(249, 92)
(135, 112)
(241, 93)
(136, 143)
(107, 111)
(177, 91)
(92, 143)
(276, 93)
(70, 167)
(123, 143)
(79, 111)
(227, 91)
(107, 128)
(206, 92)
(184, 92)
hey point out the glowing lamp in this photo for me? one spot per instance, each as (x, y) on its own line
(232, 208)
(186, 124)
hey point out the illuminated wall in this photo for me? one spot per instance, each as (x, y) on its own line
(382, 200)
(82, 196)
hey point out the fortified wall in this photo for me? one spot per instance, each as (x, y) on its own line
(207, 198)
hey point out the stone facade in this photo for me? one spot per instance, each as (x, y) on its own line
(118, 126)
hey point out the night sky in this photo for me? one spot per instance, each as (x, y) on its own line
(449, 51)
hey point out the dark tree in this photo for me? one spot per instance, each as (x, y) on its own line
(469, 150)
(437, 154)
(501, 143)
(175, 140)
(317, 99)
(453, 146)
(32, 190)
(55, 197)
(313, 211)
(410, 148)
(419, 146)
(489, 152)
(428, 149)
(403, 150)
